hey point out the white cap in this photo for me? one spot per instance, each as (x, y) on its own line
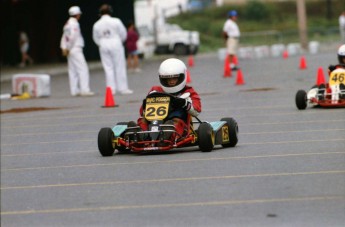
(74, 10)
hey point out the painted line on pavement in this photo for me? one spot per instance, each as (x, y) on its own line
(171, 161)
(165, 180)
(177, 205)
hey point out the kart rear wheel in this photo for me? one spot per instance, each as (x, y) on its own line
(233, 131)
(106, 146)
(205, 137)
(301, 99)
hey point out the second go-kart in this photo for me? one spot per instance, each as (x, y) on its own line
(331, 94)
(127, 137)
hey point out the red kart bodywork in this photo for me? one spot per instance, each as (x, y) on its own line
(162, 136)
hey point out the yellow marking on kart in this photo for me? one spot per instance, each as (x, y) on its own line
(157, 108)
(337, 77)
(225, 133)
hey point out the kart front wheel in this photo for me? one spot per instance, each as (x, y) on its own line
(106, 145)
(232, 132)
(301, 99)
(205, 137)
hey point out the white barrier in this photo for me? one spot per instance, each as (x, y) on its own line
(314, 47)
(37, 85)
(222, 54)
(294, 49)
(262, 51)
(246, 52)
(277, 50)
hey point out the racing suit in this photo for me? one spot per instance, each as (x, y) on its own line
(72, 44)
(179, 115)
(109, 33)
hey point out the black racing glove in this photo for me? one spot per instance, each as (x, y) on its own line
(181, 103)
(331, 68)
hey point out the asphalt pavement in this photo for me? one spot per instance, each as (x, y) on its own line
(288, 168)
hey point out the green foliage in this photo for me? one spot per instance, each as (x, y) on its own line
(255, 16)
(256, 11)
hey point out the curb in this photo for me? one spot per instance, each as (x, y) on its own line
(49, 69)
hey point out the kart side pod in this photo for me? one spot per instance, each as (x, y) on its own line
(225, 132)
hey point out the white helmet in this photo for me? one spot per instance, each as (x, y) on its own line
(172, 68)
(74, 10)
(341, 54)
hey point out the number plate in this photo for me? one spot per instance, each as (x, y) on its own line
(337, 77)
(157, 108)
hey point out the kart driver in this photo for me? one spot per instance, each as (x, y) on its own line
(340, 87)
(173, 77)
(341, 59)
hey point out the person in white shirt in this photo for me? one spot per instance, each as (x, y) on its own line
(342, 26)
(109, 34)
(231, 33)
(72, 44)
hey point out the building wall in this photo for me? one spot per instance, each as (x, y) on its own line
(43, 21)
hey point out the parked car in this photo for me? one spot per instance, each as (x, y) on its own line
(171, 39)
(146, 42)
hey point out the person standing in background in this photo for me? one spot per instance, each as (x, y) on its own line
(231, 34)
(24, 48)
(109, 34)
(132, 49)
(342, 26)
(72, 44)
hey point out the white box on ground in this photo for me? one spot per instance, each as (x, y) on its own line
(37, 85)
(277, 50)
(314, 47)
(222, 54)
(294, 49)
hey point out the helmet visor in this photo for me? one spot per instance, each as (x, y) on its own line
(171, 80)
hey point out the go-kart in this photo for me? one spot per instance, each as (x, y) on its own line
(127, 137)
(331, 94)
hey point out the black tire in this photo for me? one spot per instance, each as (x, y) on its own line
(301, 99)
(205, 137)
(106, 146)
(194, 50)
(342, 90)
(233, 131)
(122, 123)
(180, 49)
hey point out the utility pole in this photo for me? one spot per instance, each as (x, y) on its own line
(329, 9)
(302, 23)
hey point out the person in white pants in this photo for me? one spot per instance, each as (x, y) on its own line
(109, 34)
(72, 44)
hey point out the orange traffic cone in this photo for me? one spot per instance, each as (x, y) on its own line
(285, 54)
(303, 63)
(109, 99)
(227, 70)
(190, 61)
(189, 79)
(320, 76)
(239, 78)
